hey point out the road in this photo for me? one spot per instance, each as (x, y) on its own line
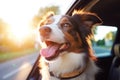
(100, 51)
(17, 69)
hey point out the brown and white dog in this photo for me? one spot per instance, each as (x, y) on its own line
(68, 54)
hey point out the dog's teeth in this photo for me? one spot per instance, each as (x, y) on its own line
(63, 46)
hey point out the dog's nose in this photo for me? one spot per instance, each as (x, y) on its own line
(45, 31)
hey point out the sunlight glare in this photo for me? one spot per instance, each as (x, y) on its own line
(19, 31)
(19, 13)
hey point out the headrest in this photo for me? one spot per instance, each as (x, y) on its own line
(117, 50)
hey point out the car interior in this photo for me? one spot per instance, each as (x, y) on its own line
(108, 11)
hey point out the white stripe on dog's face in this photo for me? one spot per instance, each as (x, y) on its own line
(56, 34)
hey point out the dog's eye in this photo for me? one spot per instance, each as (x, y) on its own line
(65, 26)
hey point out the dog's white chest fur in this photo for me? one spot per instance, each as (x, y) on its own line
(68, 63)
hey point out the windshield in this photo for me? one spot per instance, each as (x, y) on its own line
(19, 46)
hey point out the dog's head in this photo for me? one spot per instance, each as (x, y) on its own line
(63, 33)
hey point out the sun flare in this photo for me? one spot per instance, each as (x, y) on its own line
(18, 14)
(19, 31)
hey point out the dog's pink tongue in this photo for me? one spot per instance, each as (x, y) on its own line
(49, 51)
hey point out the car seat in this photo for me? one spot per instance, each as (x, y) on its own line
(114, 73)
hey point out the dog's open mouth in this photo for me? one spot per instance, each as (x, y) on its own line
(53, 49)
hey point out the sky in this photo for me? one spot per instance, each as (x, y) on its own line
(103, 30)
(23, 10)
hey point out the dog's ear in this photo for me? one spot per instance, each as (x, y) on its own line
(86, 18)
(45, 17)
(85, 22)
(91, 19)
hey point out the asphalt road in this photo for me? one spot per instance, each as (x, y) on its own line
(100, 51)
(17, 69)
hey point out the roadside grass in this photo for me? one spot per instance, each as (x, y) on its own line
(6, 56)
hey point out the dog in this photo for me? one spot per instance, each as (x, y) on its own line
(67, 53)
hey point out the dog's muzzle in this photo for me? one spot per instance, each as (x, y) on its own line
(53, 48)
(45, 31)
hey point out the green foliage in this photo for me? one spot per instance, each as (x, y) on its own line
(94, 29)
(110, 36)
(101, 42)
(42, 12)
(6, 56)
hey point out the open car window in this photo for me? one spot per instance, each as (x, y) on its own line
(104, 37)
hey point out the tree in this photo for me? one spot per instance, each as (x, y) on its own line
(43, 11)
(110, 36)
(101, 42)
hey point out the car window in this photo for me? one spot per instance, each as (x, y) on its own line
(104, 37)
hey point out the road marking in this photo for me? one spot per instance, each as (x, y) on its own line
(17, 70)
